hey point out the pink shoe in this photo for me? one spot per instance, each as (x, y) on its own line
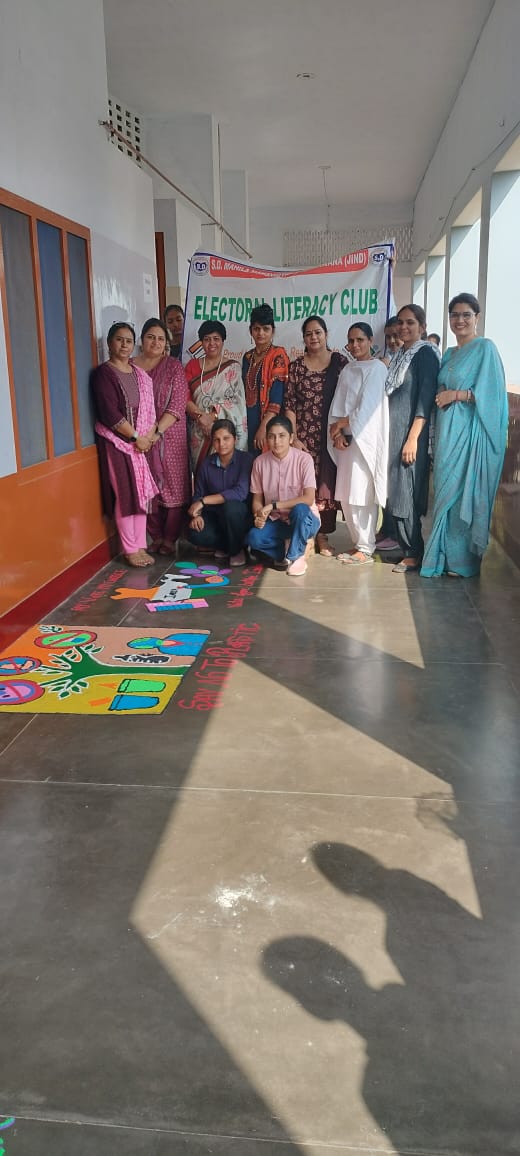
(220, 554)
(298, 567)
(238, 559)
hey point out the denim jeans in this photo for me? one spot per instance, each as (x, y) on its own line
(302, 525)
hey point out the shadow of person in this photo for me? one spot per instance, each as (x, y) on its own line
(442, 1046)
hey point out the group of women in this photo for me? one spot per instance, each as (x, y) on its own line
(275, 448)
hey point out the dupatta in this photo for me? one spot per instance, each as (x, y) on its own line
(145, 485)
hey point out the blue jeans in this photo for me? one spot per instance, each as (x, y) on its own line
(302, 525)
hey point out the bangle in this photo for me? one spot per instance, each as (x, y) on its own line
(274, 505)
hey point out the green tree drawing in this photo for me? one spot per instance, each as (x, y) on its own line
(70, 672)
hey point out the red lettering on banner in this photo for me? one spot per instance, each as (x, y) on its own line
(229, 269)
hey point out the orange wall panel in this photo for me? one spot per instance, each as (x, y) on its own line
(50, 517)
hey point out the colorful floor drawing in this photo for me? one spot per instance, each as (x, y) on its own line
(175, 591)
(106, 670)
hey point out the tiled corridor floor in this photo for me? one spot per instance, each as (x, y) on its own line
(288, 924)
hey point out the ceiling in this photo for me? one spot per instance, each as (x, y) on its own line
(386, 73)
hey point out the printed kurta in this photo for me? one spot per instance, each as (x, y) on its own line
(308, 395)
(169, 456)
(264, 387)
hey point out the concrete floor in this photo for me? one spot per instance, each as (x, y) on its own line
(288, 925)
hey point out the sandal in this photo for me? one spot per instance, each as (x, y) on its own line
(356, 559)
(402, 568)
(322, 546)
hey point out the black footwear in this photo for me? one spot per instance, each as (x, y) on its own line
(280, 564)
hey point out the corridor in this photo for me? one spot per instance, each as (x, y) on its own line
(281, 916)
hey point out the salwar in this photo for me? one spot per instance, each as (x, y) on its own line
(132, 531)
(165, 522)
(271, 539)
(361, 524)
(388, 528)
(225, 527)
(409, 535)
(327, 520)
(130, 527)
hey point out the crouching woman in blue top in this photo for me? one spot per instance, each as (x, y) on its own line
(220, 512)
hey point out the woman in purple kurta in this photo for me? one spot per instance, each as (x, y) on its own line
(168, 457)
(125, 425)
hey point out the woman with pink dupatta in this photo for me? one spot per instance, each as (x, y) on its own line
(125, 431)
(168, 458)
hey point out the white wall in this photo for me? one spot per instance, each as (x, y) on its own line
(182, 237)
(125, 288)
(189, 239)
(502, 287)
(484, 120)
(53, 92)
(268, 225)
(52, 150)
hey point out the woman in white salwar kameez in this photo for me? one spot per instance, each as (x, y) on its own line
(359, 429)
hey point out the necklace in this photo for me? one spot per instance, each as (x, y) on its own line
(202, 372)
(256, 358)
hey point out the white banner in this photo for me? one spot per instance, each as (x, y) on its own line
(356, 287)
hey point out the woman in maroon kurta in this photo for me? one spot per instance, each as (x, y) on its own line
(125, 427)
(168, 457)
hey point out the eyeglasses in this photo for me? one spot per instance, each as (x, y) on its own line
(462, 316)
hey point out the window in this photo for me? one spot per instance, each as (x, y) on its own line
(53, 300)
(23, 334)
(48, 322)
(82, 332)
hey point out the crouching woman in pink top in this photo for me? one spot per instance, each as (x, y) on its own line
(283, 487)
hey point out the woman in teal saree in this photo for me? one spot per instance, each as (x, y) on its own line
(470, 441)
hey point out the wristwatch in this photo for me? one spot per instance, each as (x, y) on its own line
(274, 505)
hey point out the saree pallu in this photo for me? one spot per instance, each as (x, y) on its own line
(470, 441)
(221, 394)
